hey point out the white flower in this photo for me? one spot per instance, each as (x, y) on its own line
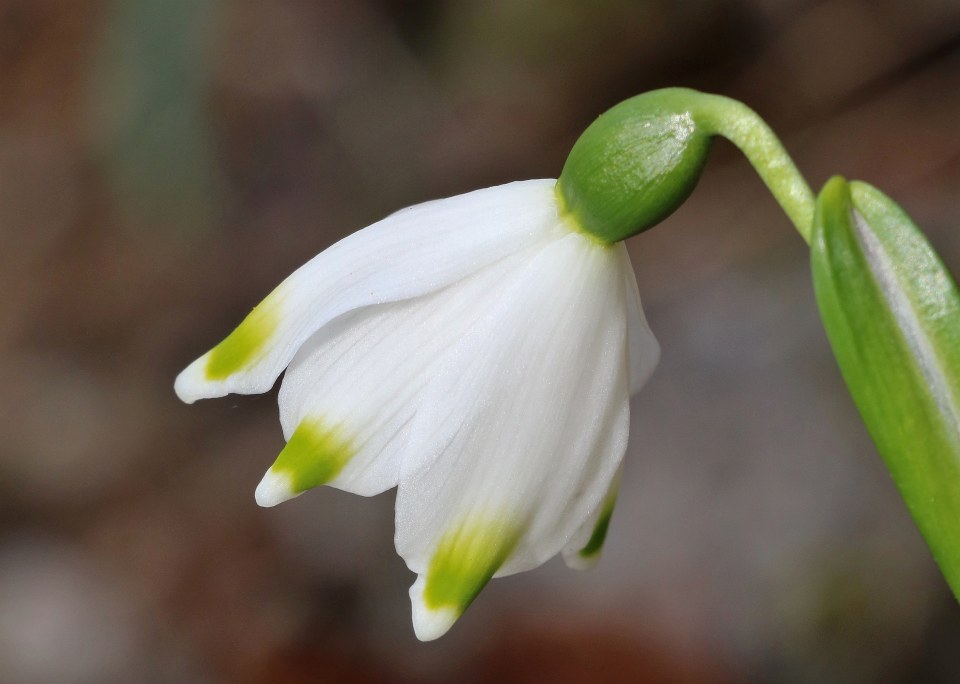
(478, 353)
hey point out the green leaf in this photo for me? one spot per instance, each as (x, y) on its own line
(892, 313)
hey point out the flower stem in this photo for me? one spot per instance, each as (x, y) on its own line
(744, 128)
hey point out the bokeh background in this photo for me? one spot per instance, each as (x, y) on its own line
(164, 164)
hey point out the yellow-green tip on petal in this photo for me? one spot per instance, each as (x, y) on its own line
(244, 345)
(315, 455)
(587, 556)
(466, 559)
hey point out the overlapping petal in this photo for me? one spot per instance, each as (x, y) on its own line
(519, 436)
(644, 350)
(584, 549)
(408, 254)
(349, 394)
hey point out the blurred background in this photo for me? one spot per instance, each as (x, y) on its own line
(164, 164)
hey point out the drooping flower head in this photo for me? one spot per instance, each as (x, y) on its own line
(478, 353)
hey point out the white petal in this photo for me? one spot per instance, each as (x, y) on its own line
(361, 378)
(429, 624)
(520, 434)
(584, 549)
(644, 354)
(275, 487)
(413, 252)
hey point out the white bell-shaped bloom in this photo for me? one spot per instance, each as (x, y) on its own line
(478, 353)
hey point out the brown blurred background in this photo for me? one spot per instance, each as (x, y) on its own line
(164, 164)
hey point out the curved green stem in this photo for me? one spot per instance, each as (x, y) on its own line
(744, 128)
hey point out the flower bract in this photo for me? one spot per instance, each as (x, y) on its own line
(478, 353)
(891, 310)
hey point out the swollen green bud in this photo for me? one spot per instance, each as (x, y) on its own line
(635, 164)
(640, 160)
(892, 313)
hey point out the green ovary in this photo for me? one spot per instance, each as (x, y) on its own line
(245, 344)
(315, 454)
(465, 560)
